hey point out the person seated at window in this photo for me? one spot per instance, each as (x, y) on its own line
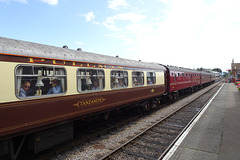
(84, 85)
(56, 87)
(47, 85)
(149, 81)
(135, 82)
(121, 83)
(95, 85)
(24, 89)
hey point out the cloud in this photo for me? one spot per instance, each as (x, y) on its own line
(22, 1)
(115, 4)
(8, 1)
(110, 22)
(164, 1)
(190, 33)
(51, 2)
(78, 43)
(89, 16)
(193, 34)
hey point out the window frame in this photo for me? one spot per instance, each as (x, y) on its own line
(122, 77)
(153, 78)
(93, 76)
(33, 75)
(142, 77)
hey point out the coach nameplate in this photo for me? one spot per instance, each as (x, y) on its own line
(89, 102)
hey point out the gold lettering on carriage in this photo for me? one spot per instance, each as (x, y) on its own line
(89, 102)
(71, 63)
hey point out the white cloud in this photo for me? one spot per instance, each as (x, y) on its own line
(195, 34)
(79, 43)
(110, 22)
(51, 2)
(8, 1)
(192, 34)
(22, 1)
(164, 1)
(89, 16)
(115, 4)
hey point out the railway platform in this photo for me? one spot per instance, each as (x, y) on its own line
(216, 134)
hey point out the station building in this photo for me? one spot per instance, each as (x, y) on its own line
(235, 71)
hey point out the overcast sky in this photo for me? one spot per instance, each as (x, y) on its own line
(186, 33)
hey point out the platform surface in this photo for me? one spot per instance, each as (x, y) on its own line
(216, 135)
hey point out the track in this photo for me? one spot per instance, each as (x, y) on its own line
(155, 141)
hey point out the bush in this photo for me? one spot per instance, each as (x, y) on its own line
(238, 86)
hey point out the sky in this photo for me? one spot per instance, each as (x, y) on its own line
(184, 33)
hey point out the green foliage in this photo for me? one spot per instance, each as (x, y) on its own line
(217, 70)
(205, 69)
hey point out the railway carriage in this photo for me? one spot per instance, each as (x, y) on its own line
(90, 84)
(181, 80)
(206, 78)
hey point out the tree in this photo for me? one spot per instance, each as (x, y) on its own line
(225, 74)
(199, 69)
(217, 70)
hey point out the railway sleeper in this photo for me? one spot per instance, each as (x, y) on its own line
(173, 124)
(171, 127)
(167, 132)
(139, 154)
(147, 146)
(156, 142)
(178, 118)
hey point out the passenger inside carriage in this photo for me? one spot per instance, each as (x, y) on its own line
(121, 83)
(47, 85)
(56, 87)
(95, 85)
(24, 89)
(149, 81)
(84, 85)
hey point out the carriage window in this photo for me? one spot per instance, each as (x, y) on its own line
(137, 78)
(40, 80)
(151, 78)
(119, 79)
(90, 80)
